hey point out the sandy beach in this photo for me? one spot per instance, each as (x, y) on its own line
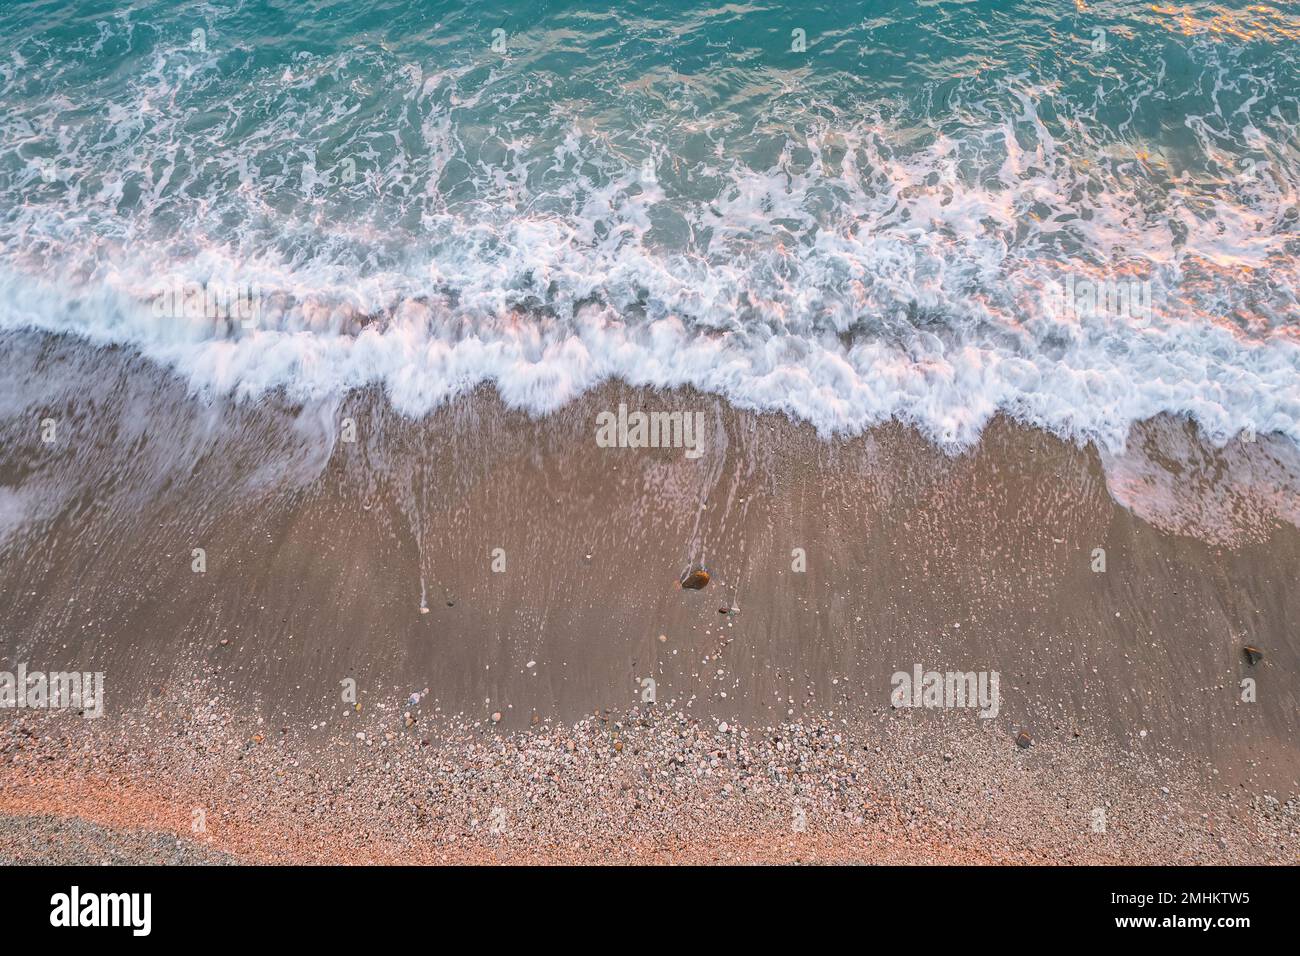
(461, 637)
(670, 433)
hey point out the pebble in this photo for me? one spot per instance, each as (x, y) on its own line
(695, 579)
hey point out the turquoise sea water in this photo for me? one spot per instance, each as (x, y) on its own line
(849, 212)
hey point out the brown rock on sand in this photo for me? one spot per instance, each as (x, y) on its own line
(695, 579)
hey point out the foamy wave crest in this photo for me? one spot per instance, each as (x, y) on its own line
(1032, 245)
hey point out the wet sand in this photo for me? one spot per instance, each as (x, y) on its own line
(372, 561)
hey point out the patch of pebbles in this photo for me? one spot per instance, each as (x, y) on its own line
(395, 785)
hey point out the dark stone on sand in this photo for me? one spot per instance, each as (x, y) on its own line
(1253, 654)
(695, 579)
(1023, 740)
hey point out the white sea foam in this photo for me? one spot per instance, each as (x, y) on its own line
(859, 272)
